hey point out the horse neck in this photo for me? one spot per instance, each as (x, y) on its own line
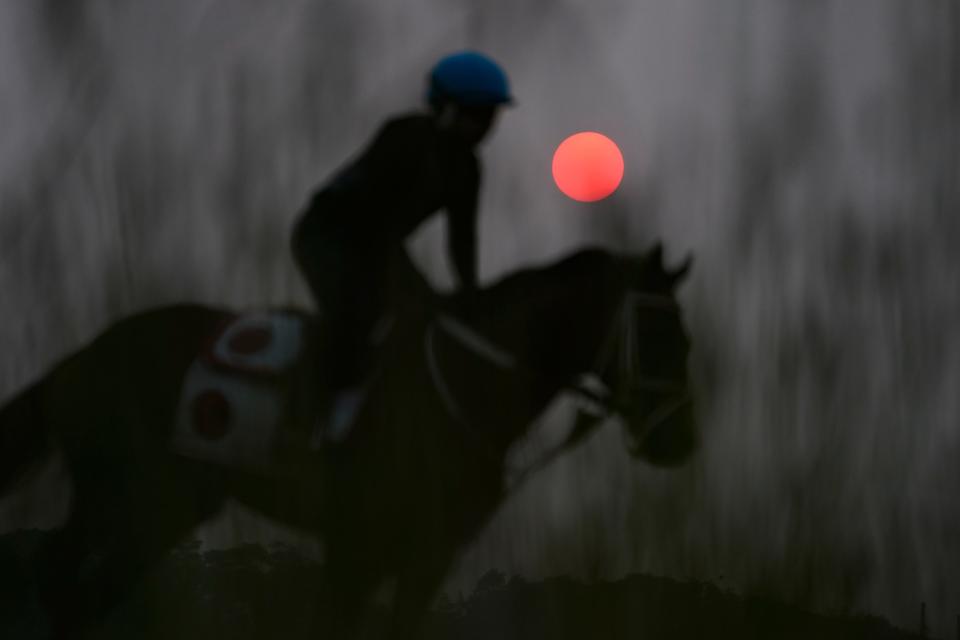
(564, 313)
(554, 322)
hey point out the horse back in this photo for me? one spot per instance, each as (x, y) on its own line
(129, 374)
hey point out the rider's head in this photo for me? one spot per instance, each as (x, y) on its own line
(465, 91)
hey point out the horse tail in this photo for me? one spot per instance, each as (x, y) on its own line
(23, 438)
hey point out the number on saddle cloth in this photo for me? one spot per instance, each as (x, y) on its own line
(234, 396)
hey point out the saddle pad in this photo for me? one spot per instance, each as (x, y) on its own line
(233, 396)
(265, 343)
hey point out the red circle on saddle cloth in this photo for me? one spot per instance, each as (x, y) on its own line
(211, 415)
(249, 341)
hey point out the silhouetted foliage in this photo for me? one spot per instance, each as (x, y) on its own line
(253, 592)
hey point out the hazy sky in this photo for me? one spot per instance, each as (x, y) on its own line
(805, 152)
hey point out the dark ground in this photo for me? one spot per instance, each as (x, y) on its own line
(253, 592)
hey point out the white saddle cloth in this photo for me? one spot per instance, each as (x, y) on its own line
(232, 399)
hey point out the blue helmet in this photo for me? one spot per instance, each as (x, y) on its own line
(469, 78)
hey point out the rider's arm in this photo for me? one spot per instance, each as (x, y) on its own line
(462, 230)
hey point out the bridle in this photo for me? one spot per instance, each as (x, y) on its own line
(621, 356)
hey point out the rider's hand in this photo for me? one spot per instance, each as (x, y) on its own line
(468, 303)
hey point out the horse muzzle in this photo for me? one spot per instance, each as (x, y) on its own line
(665, 435)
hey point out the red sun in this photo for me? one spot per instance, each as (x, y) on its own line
(588, 166)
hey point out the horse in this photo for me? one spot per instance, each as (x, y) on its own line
(423, 468)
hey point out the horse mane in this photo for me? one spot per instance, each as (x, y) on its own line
(588, 265)
(566, 302)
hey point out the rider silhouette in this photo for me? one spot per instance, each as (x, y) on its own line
(416, 165)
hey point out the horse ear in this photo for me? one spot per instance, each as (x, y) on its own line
(655, 255)
(654, 273)
(678, 274)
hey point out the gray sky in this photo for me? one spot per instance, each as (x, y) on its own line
(805, 152)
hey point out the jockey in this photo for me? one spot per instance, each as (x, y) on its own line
(416, 165)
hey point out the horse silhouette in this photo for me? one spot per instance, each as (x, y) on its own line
(423, 468)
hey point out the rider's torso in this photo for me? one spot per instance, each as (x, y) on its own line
(407, 173)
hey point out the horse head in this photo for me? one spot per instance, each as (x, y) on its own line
(643, 363)
(590, 319)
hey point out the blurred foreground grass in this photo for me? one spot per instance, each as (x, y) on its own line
(252, 592)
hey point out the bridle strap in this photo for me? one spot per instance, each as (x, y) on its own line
(621, 341)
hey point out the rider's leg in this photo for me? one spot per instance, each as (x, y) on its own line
(417, 585)
(347, 280)
(353, 318)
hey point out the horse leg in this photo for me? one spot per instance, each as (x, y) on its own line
(416, 587)
(58, 565)
(350, 580)
(86, 568)
(111, 541)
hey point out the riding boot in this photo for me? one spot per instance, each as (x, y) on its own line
(344, 409)
(333, 425)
